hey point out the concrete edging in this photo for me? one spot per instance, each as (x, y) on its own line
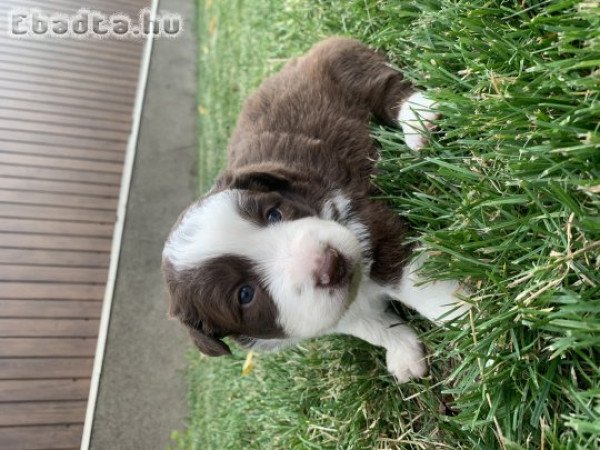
(142, 390)
(117, 237)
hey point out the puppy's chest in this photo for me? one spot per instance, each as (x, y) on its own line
(380, 232)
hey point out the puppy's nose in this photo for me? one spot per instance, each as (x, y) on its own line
(331, 268)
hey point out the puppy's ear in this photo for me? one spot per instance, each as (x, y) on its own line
(261, 177)
(181, 307)
(209, 345)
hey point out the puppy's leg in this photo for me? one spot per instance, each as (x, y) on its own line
(416, 117)
(405, 357)
(366, 76)
(438, 301)
(363, 76)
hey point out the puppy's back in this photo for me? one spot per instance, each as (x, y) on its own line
(314, 113)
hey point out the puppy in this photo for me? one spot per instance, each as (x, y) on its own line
(289, 244)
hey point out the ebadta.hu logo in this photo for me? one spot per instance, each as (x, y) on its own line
(93, 24)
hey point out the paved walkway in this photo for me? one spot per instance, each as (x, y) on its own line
(142, 390)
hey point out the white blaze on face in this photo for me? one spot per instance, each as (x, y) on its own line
(285, 255)
(205, 232)
(337, 205)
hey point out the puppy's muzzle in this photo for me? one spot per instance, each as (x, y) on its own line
(332, 269)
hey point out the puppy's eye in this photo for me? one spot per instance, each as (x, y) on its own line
(274, 215)
(246, 294)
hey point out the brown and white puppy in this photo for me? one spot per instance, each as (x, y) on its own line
(289, 244)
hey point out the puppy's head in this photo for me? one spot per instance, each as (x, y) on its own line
(256, 259)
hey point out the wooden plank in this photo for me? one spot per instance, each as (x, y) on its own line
(107, 6)
(62, 187)
(57, 213)
(60, 140)
(56, 291)
(25, 75)
(70, 7)
(21, 122)
(55, 227)
(51, 309)
(89, 94)
(60, 163)
(109, 47)
(12, 109)
(56, 71)
(58, 258)
(49, 327)
(61, 152)
(69, 53)
(64, 127)
(44, 390)
(52, 274)
(16, 240)
(116, 109)
(41, 413)
(63, 200)
(42, 173)
(46, 347)
(59, 112)
(49, 437)
(35, 368)
(66, 57)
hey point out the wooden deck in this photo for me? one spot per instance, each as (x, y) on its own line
(65, 118)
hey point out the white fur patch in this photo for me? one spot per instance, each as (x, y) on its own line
(336, 207)
(204, 231)
(368, 320)
(416, 117)
(339, 207)
(438, 301)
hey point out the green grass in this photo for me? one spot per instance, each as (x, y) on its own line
(508, 195)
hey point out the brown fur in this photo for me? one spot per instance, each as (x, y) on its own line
(303, 134)
(219, 313)
(310, 124)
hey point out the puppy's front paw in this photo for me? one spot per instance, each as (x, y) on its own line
(416, 117)
(407, 362)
